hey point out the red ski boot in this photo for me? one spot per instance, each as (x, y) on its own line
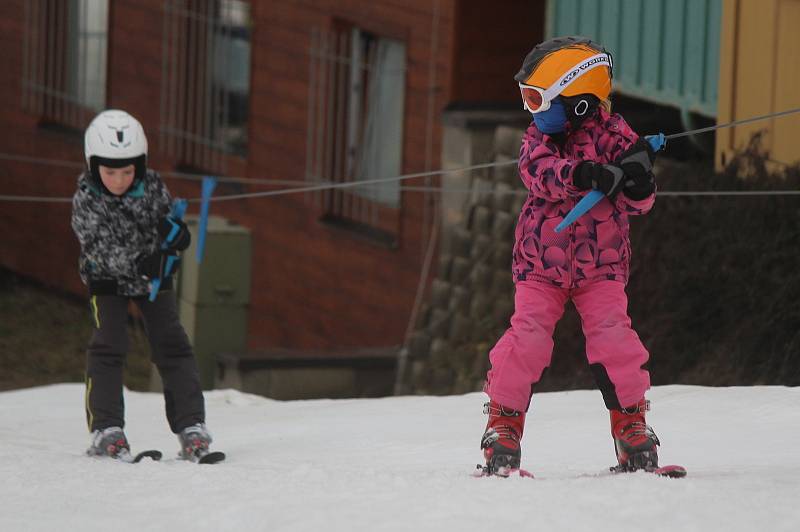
(500, 442)
(634, 440)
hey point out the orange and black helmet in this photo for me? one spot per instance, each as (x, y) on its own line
(564, 66)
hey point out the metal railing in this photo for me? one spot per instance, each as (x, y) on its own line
(198, 125)
(348, 70)
(65, 49)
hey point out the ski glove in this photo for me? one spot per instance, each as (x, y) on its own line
(607, 178)
(637, 163)
(640, 186)
(152, 266)
(638, 159)
(180, 239)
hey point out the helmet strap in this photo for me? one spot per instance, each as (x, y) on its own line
(580, 107)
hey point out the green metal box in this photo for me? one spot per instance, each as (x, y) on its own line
(223, 278)
(212, 330)
(213, 295)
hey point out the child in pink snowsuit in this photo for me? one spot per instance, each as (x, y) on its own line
(574, 144)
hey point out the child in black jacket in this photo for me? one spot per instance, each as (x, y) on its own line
(120, 214)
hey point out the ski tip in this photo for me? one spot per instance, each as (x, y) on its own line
(671, 471)
(152, 454)
(213, 457)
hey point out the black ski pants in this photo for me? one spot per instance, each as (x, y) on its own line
(171, 352)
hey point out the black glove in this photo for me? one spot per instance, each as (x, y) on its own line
(182, 237)
(607, 178)
(637, 163)
(153, 266)
(639, 186)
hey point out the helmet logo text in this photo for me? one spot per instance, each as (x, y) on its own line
(577, 71)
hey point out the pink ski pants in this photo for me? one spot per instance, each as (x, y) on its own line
(613, 349)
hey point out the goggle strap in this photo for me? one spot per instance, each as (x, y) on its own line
(576, 72)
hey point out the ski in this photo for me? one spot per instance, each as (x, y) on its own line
(126, 456)
(201, 456)
(211, 457)
(503, 472)
(152, 454)
(670, 471)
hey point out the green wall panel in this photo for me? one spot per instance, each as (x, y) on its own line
(666, 51)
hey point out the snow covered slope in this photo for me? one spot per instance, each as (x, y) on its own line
(404, 464)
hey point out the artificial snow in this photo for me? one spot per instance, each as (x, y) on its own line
(403, 464)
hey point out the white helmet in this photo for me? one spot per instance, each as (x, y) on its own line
(116, 139)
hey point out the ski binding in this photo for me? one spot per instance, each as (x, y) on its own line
(670, 471)
(204, 456)
(503, 472)
(124, 455)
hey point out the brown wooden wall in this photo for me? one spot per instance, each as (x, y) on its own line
(759, 74)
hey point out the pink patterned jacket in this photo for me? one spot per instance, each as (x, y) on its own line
(597, 245)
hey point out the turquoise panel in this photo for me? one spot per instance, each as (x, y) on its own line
(666, 51)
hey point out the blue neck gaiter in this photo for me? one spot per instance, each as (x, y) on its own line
(554, 120)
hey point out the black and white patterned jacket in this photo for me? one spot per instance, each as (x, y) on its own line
(114, 231)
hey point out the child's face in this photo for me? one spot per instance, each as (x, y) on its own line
(117, 180)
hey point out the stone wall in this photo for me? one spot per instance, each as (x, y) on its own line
(471, 299)
(713, 290)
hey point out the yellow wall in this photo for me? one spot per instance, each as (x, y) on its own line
(759, 74)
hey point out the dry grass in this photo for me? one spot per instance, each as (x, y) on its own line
(43, 338)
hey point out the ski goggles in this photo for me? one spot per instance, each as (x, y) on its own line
(536, 100)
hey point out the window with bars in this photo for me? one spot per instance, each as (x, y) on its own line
(65, 50)
(355, 126)
(205, 81)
